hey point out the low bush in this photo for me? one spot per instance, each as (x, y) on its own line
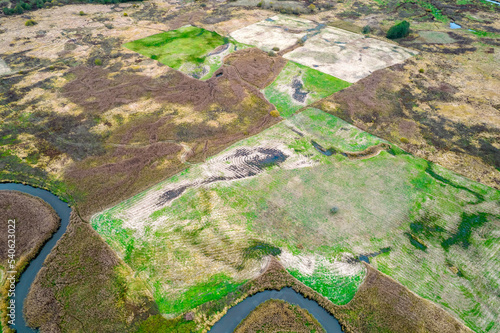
(98, 62)
(30, 23)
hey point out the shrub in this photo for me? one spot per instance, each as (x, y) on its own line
(399, 30)
(311, 7)
(225, 40)
(125, 14)
(366, 29)
(334, 210)
(26, 6)
(271, 53)
(18, 9)
(275, 113)
(259, 4)
(98, 62)
(404, 140)
(276, 48)
(81, 13)
(421, 70)
(30, 23)
(52, 67)
(154, 57)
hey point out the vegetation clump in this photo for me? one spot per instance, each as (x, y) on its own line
(399, 30)
(274, 113)
(30, 23)
(98, 62)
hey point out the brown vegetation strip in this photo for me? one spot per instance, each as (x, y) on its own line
(80, 288)
(279, 316)
(35, 223)
(136, 149)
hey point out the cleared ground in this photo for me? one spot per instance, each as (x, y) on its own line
(347, 55)
(278, 31)
(343, 54)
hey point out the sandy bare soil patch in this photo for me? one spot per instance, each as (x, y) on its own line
(347, 55)
(278, 31)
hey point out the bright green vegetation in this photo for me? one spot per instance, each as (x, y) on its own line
(299, 79)
(216, 287)
(186, 49)
(442, 228)
(338, 288)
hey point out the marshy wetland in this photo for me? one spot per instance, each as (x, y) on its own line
(212, 151)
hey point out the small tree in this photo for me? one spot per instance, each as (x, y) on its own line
(366, 29)
(399, 30)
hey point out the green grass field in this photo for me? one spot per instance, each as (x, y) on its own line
(314, 83)
(442, 229)
(186, 49)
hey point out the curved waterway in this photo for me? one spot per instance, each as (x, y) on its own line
(28, 276)
(241, 310)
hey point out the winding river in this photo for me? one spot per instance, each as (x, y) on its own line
(227, 324)
(28, 276)
(239, 312)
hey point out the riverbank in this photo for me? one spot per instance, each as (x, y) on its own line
(33, 222)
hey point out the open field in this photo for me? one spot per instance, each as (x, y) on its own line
(35, 222)
(192, 50)
(279, 316)
(298, 86)
(278, 31)
(282, 191)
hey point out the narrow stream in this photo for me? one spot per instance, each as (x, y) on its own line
(241, 310)
(28, 276)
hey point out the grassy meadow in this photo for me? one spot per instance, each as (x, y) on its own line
(298, 86)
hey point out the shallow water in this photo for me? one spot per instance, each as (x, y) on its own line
(241, 310)
(28, 276)
(453, 25)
